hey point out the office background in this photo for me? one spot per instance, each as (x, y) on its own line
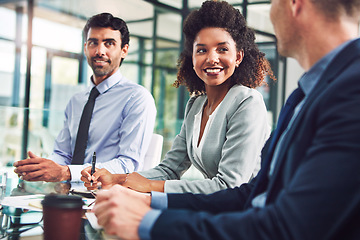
(42, 63)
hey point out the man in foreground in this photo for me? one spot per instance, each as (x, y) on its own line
(308, 186)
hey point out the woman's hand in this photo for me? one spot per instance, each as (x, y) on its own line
(141, 184)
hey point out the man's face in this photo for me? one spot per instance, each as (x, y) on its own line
(280, 15)
(103, 52)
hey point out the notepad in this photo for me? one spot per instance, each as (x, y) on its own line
(36, 204)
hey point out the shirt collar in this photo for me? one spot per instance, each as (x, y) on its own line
(108, 82)
(309, 79)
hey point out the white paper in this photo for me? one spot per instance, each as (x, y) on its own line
(33, 202)
(24, 201)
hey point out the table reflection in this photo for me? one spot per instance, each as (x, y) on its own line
(16, 223)
(25, 188)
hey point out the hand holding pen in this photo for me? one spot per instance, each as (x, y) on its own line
(95, 177)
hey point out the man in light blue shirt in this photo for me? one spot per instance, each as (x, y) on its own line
(122, 121)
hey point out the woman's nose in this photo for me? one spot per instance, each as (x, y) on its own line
(213, 57)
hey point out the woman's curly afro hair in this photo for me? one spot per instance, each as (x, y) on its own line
(220, 14)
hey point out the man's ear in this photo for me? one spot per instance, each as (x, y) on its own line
(124, 51)
(296, 6)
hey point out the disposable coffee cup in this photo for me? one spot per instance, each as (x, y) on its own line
(62, 217)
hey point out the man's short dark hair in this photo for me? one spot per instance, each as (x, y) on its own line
(105, 20)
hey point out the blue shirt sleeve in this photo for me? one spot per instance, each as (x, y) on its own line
(147, 223)
(159, 202)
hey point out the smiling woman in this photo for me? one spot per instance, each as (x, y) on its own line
(215, 56)
(253, 67)
(225, 124)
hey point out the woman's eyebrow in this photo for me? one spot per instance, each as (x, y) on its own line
(220, 43)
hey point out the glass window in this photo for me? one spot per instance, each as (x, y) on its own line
(169, 21)
(57, 36)
(174, 3)
(130, 71)
(7, 23)
(143, 29)
(258, 17)
(133, 54)
(147, 78)
(65, 71)
(7, 61)
(38, 70)
(64, 81)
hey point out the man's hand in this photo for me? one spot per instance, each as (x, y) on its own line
(36, 168)
(101, 177)
(120, 211)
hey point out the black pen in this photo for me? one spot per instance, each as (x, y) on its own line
(93, 165)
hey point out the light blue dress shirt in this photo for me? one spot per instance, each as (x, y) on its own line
(120, 130)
